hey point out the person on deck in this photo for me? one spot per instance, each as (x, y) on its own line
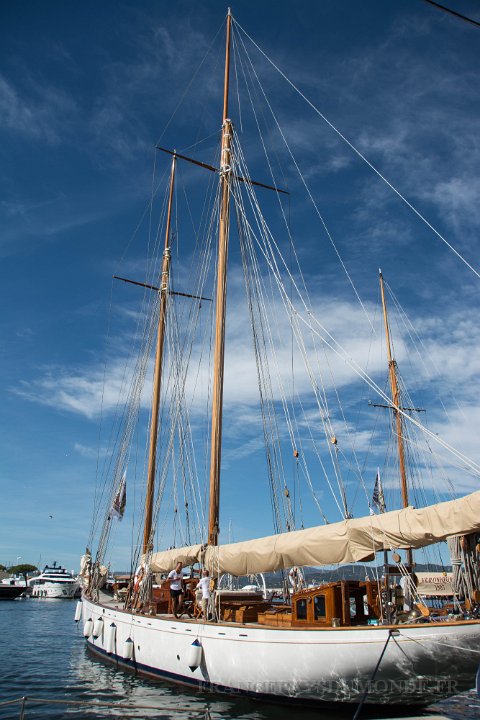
(204, 586)
(176, 588)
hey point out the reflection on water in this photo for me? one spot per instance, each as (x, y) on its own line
(44, 656)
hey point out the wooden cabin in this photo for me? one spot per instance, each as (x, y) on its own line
(336, 604)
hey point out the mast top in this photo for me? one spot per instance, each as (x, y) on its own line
(227, 66)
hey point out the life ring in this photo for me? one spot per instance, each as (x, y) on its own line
(138, 578)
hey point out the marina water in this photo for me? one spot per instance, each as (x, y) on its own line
(44, 656)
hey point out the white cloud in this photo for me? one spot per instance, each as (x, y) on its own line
(135, 87)
(82, 392)
(451, 344)
(43, 112)
(91, 453)
(458, 199)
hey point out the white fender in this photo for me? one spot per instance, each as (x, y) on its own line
(111, 639)
(78, 611)
(97, 628)
(88, 628)
(194, 655)
(128, 649)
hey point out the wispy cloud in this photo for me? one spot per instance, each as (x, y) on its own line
(118, 119)
(91, 453)
(40, 111)
(82, 392)
(90, 390)
(414, 124)
(30, 222)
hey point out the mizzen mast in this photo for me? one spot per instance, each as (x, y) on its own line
(219, 352)
(157, 375)
(392, 369)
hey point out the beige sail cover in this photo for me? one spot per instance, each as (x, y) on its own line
(348, 541)
(166, 560)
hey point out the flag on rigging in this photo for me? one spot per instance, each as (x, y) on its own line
(378, 498)
(120, 499)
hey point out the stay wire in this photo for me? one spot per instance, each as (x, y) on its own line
(361, 156)
(261, 220)
(189, 84)
(310, 195)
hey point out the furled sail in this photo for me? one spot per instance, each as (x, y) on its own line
(166, 560)
(347, 541)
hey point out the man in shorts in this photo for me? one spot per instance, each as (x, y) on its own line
(204, 586)
(176, 588)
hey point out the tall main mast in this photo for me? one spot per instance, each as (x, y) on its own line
(157, 374)
(219, 353)
(392, 369)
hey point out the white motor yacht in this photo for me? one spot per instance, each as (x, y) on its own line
(54, 582)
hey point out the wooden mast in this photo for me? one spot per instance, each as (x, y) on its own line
(392, 369)
(157, 375)
(219, 352)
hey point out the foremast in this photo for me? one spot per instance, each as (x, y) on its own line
(220, 312)
(157, 374)
(392, 370)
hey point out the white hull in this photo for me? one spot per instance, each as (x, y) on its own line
(65, 591)
(422, 664)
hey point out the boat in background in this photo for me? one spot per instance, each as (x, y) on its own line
(54, 582)
(12, 588)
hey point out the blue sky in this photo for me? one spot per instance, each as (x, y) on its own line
(86, 91)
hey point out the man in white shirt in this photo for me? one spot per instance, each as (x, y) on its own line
(204, 586)
(176, 588)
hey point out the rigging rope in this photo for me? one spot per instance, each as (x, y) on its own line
(360, 155)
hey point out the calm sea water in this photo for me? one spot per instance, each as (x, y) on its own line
(43, 655)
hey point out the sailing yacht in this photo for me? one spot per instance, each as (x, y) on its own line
(345, 641)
